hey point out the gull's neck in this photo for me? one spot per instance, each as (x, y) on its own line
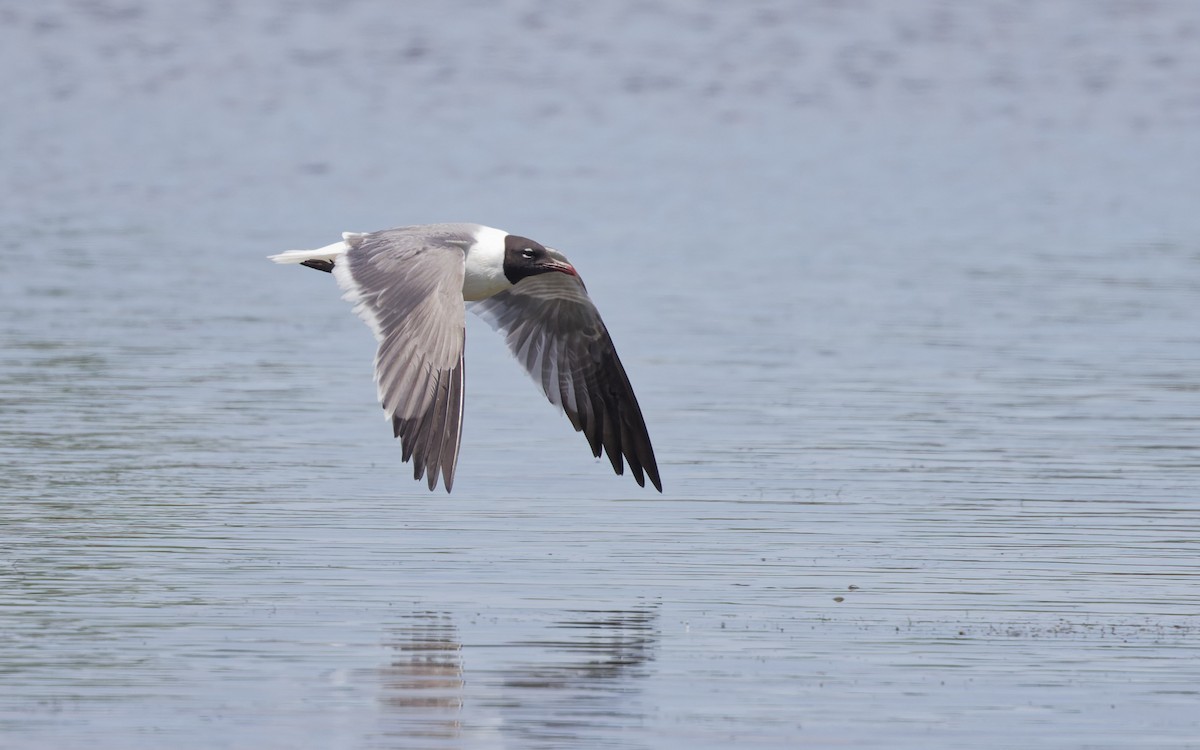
(485, 265)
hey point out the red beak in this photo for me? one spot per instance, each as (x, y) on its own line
(556, 265)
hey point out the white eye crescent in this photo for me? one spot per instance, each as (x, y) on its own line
(527, 253)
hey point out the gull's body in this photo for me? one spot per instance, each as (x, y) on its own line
(409, 284)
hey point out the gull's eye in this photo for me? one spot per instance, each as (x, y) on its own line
(528, 253)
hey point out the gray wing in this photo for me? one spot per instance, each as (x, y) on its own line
(407, 285)
(556, 333)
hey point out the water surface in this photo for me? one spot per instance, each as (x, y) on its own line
(908, 294)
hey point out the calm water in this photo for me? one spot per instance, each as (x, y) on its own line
(910, 294)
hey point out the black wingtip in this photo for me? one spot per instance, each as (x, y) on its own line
(320, 265)
(651, 474)
(651, 468)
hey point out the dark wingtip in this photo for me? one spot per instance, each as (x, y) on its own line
(651, 469)
(320, 265)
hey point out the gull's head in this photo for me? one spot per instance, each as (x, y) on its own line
(523, 258)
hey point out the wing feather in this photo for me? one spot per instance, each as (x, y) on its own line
(407, 285)
(555, 332)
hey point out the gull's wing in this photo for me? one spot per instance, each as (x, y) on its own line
(407, 285)
(556, 333)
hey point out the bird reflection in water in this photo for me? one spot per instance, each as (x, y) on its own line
(576, 689)
(422, 685)
(607, 644)
(565, 687)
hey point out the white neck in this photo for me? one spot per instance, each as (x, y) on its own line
(485, 265)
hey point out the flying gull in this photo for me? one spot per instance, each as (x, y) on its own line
(409, 285)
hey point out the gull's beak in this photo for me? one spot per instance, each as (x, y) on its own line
(561, 266)
(556, 261)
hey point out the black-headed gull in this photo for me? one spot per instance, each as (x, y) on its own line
(409, 284)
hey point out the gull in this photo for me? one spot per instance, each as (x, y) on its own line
(410, 284)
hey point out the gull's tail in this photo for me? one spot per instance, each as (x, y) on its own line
(323, 258)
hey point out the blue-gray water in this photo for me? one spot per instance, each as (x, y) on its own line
(910, 294)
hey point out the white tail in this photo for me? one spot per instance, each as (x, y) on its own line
(329, 253)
